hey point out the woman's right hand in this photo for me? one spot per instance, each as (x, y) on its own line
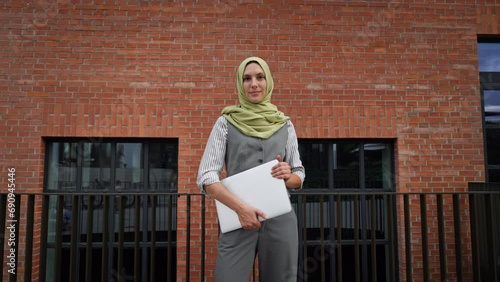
(249, 217)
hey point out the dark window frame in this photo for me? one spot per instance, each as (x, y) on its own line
(489, 80)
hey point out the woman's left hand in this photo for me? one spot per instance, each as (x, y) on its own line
(282, 170)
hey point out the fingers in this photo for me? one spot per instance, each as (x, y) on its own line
(261, 214)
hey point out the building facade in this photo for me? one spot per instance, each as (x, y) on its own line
(121, 95)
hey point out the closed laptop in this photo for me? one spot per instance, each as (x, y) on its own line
(258, 188)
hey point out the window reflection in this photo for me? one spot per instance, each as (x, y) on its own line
(62, 166)
(492, 106)
(489, 59)
(129, 166)
(492, 138)
(378, 171)
(96, 166)
(162, 167)
(345, 159)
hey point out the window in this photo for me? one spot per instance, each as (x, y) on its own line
(489, 67)
(339, 165)
(345, 166)
(107, 177)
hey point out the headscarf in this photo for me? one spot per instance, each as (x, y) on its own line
(260, 120)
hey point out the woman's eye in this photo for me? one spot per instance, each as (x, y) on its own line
(261, 77)
(246, 78)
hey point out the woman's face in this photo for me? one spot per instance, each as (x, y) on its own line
(254, 83)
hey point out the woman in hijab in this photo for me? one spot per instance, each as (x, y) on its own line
(247, 135)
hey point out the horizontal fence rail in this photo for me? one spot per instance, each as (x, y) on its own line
(372, 236)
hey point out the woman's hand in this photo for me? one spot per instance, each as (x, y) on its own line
(248, 217)
(282, 170)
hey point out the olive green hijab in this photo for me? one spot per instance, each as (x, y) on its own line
(260, 120)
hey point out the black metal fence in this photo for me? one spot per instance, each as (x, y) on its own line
(373, 236)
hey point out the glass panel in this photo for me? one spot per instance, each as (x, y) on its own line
(96, 166)
(489, 56)
(345, 164)
(493, 175)
(378, 171)
(492, 106)
(62, 166)
(493, 145)
(163, 167)
(129, 166)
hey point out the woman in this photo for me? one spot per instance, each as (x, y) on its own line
(246, 136)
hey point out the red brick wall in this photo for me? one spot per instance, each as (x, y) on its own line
(342, 69)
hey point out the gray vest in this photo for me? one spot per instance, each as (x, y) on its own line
(244, 152)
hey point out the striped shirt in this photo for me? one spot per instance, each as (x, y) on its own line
(212, 161)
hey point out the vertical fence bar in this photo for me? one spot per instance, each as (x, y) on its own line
(43, 238)
(458, 241)
(392, 242)
(425, 254)
(89, 241)
(331, 238)
(357, 266)
(73, 260)
(58, 239)
(406, 203)
(170, 245)
(339, 237)
(105, 240)
(374, 238)
(473, 205)
(152, 267)
(492, 272)
(188, 235)
(322, 238)
(442, 237)
(28, 254)
(120, 271)
(137, 237)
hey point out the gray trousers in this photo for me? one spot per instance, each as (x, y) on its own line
(275, 243)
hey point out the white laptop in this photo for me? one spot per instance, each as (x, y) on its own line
(258, 188)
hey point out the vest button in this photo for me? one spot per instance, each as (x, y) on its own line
(260, 161)
(260, 149)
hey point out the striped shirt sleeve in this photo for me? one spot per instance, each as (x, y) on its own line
(212, 160)
(292, 154)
